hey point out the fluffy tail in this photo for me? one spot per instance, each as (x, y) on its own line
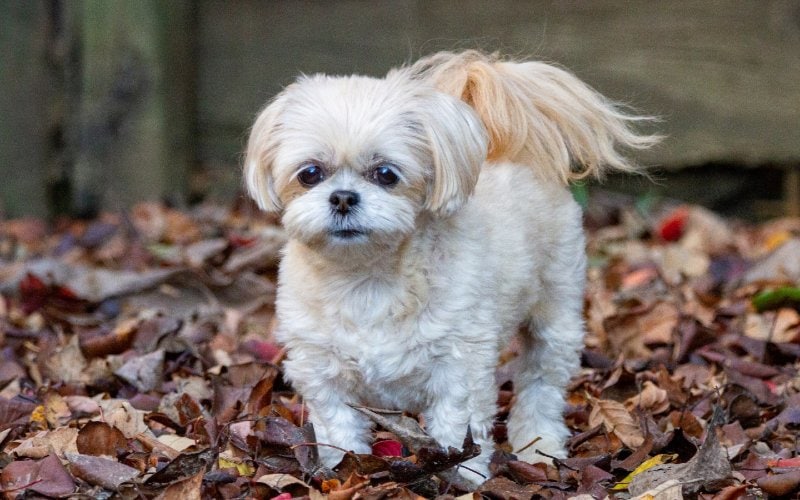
(539, 115)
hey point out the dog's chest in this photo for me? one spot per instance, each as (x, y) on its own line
(386, 368)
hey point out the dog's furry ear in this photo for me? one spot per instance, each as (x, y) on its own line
(458, 144)
(538, 114)
(258, 162)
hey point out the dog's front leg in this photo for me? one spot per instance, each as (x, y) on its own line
(463, 397)
(338, 425)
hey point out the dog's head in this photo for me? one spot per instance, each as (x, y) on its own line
(356, 160)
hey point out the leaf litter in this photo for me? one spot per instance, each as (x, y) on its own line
(137, 360)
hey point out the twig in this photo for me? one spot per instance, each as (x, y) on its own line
(533, 442)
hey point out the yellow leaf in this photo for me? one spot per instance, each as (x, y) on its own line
(776, 239)
(38, 416)
(647, 464)
(243, 468)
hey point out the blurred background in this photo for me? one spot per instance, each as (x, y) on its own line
(107, 102)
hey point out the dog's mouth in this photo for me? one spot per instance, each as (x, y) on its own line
(348, 234)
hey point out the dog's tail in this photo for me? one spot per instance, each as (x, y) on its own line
(538, 114)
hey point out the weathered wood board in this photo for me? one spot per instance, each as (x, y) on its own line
(724, 75)
(168, 89)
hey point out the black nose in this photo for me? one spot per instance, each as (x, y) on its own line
(342, 200)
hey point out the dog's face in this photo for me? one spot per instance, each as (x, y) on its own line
(353, 161)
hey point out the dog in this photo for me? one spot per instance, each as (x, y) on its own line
(428, 217)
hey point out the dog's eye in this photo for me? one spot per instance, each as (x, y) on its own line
(311, 175)
(385, 176)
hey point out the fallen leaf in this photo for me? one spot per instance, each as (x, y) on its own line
(14, 412)
(47, 477)
(780, 484)
(103, 472)
(143, 372)
(59, 441)
(505, 489)
(616, 419)
(190, 488)
(781, 265)
(182, 467)
(123, 416)
(647, 464)
(387, 448)
(669, 490)
(99, 438)
(651, 399)
(242, 467)
(710, 468)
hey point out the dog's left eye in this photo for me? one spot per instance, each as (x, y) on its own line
(385, 176)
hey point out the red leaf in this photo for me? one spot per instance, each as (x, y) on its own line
(671, 227)
(388, 448)
(784, 462)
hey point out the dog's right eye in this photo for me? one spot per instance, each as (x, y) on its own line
(311, 175)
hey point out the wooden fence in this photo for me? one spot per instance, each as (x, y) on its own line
(105, 102)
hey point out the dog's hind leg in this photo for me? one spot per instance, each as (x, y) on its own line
(550, 355)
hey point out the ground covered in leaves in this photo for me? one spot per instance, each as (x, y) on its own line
(137, 361)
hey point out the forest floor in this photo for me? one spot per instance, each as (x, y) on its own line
(137, 361)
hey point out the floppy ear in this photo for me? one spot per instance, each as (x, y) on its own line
(261, 149)
(458, 144)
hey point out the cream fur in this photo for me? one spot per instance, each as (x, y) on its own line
(412, 310)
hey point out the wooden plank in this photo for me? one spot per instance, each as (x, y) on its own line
(24, 109)
(791, 192)
(135, 121)
(724, 75)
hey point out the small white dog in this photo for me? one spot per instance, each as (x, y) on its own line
(428, 217)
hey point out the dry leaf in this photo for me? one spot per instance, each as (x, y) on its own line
(651, 399)
(103, 472)
(658, 325)
(669, 490)
(58, 441)
(615, 418)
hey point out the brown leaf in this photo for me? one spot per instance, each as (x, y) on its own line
(182, 467)
(99, 438)
(14, 412)
(780, 484)
(190, 488)
(67, 363)
(42, 444)
(616, 419)
(505, 489)
(524, 472)
(56, 410)
(89, 283)
(108, 474)
(102, 343)
(709, 468)
(658, 325)
(46, 477)
(591, 480)
(143, 372)
(405, 428)
(651, 399)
